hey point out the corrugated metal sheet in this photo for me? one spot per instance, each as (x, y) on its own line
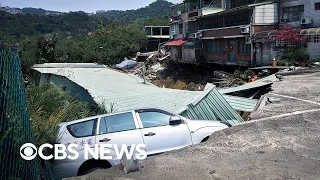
(257, 84)
(241, 104)
(69, 65)
(212, 106)
(127, 92)
(176, 43)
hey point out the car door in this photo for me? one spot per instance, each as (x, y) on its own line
(80, 134)
(158, 135)
(120, 129)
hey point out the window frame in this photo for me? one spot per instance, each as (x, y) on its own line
(155, 111)
(103, 116)
(290, 13)
(317, 6)
(215, 47)
(242, 47)
(94, 130)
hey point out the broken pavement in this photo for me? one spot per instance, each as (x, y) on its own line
(283, 143)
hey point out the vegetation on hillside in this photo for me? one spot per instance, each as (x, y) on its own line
(39, 11)
(159, 8)
(107, 45)
(16, 27)
(49, 106)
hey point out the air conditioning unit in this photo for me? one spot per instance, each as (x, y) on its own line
(305, 21)
(283, 20)
(197, 35)
(248, 40)
(245, 30)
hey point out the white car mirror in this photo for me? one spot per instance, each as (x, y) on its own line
(175, 120)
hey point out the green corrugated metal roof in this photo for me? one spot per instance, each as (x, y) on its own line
(212, 106)
(127, 92)
(260, 83)
(241, 104)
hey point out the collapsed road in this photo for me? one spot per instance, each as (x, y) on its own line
(282, 142)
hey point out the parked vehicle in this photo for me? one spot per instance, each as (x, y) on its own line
(161, 131)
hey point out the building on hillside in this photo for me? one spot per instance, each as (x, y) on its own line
(301, 15)
(100, 11)
(11, 10)
(156, 35)
(236, 32)
(219, 31)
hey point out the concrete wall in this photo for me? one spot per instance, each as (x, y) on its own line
(309, 11)
(188, 56)
(175, 53)
(314, 50)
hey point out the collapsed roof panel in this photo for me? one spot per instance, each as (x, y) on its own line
(212, 106)
(127, 92)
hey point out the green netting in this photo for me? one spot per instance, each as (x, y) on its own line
(15, 129)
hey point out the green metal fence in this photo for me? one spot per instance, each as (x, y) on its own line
(15, 129)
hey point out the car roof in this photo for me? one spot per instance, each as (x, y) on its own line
(110, 114)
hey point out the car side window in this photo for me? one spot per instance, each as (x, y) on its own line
(117, 123)
(154, 119)
(82, 129)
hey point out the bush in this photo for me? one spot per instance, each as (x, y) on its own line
(295, 54)
(180, 85)
(49, 106)
(244, 75)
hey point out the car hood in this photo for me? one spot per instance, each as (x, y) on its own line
(194, 125)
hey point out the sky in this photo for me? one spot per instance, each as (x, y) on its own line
(83, 5)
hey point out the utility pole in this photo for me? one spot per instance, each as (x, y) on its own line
(251, 30)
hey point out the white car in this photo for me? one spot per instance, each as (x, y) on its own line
(159, 130)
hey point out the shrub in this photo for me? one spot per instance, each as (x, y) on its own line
(244, 75)
(49, 106)
(296, 54)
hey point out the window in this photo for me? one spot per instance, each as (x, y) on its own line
(243, 48)
(293, 13)
(117, 123)
(154, 119)
(316, 39)
(180, 28)
(215, 47)
(83, 129)
(317, 6)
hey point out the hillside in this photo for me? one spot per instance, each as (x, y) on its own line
(35, 21)
(38, 11)
(15, 26)
(158, 9)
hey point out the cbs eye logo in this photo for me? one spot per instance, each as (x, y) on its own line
(28, 151)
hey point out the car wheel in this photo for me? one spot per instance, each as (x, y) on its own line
(92, 165)
(205, 139)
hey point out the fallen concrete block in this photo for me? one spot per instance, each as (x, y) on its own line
(130, 164)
